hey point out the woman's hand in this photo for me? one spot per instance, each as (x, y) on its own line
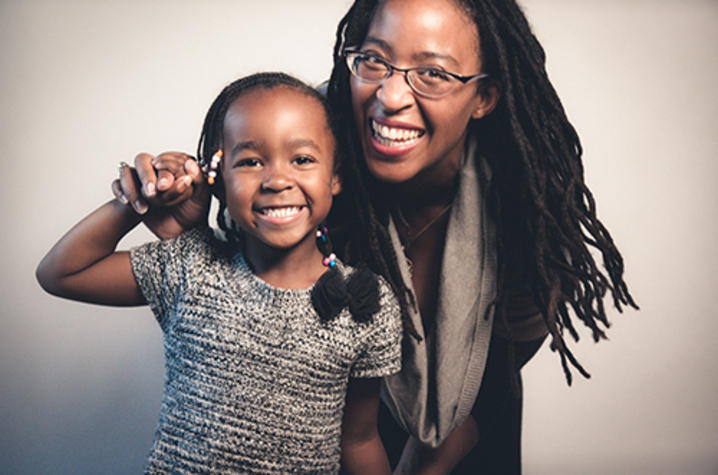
(420, 459)
(169, 190)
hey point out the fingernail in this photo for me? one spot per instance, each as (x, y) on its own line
(140, 207)
(162, 182)
(123, 199)
(150, 188)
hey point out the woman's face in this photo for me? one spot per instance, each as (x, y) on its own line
(406, 137)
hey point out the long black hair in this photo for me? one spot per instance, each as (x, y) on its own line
(545, 214)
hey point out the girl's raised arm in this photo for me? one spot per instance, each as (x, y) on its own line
(84, 265)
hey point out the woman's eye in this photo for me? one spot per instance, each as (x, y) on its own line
(372, 61)
(434, 75)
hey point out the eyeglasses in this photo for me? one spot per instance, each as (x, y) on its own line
(425, 81)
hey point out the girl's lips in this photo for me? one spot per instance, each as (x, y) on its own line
(280, 215)
(393, 139)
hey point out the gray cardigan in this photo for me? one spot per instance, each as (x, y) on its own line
(441, 374)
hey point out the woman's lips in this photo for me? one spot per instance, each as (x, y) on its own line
(393, 139)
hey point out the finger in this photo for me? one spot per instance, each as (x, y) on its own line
(169, 166)
(130, 185)
(180, 191)
(117, 191)
(191, 167)
(165, 180)
(146, 174)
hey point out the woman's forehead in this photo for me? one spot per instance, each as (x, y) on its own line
(431, 28)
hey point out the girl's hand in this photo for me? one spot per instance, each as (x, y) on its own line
(169, 190)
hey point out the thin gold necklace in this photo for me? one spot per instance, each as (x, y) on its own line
(412, 237)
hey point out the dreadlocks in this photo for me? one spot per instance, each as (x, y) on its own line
(545, 214)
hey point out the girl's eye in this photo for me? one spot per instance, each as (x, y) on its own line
(247, 162)
(304, 160)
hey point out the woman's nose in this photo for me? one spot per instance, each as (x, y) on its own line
(394, 92)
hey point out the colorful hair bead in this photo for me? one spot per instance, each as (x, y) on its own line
(330, 260)
(213, 164)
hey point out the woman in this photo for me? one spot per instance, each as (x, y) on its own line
(472, 168)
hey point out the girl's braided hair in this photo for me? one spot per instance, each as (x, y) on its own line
(332, 292)
(544, 212)
(210, 139)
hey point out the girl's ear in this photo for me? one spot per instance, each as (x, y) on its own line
(335, 184)
(487, 97)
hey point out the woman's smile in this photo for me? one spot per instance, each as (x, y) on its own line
(392, 138)
(405, 135)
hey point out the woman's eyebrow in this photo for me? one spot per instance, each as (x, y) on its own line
(426, 55)
(378, 42)
(422, 56)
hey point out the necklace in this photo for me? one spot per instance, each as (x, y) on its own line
(412, 237)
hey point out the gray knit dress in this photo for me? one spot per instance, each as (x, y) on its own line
(254, 382)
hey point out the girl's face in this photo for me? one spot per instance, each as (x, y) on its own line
(278, 166)
(406, 137)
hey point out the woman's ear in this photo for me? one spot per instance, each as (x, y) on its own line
(487, 96)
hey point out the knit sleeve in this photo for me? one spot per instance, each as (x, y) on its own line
(161, 269)
(381, 355)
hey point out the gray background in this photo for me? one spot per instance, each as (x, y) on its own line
(86, 84)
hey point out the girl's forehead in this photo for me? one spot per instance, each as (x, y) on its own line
(277, 114)
(280, 99)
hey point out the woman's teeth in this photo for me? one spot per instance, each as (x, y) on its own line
(390, 136)
(281, 212)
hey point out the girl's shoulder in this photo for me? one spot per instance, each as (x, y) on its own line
(196, 245)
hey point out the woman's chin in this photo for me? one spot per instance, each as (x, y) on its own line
(390, 172)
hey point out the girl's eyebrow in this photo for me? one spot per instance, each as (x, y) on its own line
(247, 144)
(303, 142)
(423, 56)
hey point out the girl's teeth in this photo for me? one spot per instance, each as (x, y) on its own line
(281, 212)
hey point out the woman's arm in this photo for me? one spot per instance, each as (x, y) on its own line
(84, 266)
(362, 449)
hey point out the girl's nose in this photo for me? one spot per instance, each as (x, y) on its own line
(394, 93)
(276, 180)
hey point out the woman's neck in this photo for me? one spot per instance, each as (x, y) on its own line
(298, 267)
(431, 187)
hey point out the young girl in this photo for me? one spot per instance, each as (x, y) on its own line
(274, 349)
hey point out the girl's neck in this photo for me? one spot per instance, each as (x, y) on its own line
(298, 267)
